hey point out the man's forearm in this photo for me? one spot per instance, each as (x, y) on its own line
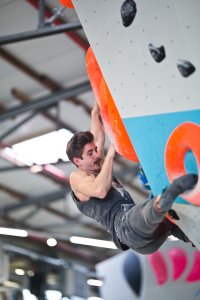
(104, 179)
(97, 128)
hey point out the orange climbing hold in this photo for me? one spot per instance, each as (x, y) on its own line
(184, 138)
(121, 139)
(95, 76)
(67, 3)
(112, 121)
(94, 73)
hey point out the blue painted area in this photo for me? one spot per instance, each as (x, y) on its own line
(197, 294)
(149, 135)
(190, 163)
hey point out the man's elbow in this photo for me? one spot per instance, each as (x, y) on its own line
(101, 192)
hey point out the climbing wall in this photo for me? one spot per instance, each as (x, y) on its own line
(149, 55)
(172, 272)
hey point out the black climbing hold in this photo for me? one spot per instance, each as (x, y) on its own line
(132, 269)
(173, 214)
(128, 12)
(186, 68)
(158, 54)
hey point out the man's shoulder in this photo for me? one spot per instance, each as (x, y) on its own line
(77, 179)
(76, 176)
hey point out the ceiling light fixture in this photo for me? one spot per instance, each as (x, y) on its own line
(45, 149)
(94, 282)
(30, 273)
(19, 272)
(94, 298)
(53, 295)
(13, 232)
(92, 242)
(51, 242)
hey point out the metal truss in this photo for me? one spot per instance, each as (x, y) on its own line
(44, 28)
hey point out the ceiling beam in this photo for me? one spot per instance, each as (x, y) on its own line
(44, 80)
(13, 168)
(23, 97)
(38, 33)
(34, 255)
(42, 203)
(13, 193)
(22, 197)
(40, 200)
(15, 61)
(41, 15)
(46, 100)
(16, 126)
(74, 36)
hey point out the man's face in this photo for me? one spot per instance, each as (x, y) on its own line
(91, 160)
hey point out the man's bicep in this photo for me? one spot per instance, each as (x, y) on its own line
(83, 185)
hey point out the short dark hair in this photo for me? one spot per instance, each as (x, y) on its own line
(77, 142)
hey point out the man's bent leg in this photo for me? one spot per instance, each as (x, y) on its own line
(142, 228)
(177, 187)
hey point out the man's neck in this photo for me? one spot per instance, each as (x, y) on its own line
(90, 172)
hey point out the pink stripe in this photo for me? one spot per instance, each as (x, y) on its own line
(159, 267)
(179, 261)
(194, 274)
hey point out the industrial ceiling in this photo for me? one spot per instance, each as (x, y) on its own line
(44, 87)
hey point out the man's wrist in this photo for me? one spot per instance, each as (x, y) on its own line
(157, 203)
(95, 109)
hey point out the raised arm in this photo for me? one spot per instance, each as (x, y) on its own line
(86, 186)
(97, 129)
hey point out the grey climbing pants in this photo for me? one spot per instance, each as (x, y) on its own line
(142, 228)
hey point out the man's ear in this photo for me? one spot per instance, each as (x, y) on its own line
(76, 161)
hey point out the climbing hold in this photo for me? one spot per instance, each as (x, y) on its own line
(67, 3)
(128, 12)
(158, 54)
(120, 137)
(94, 72)
(95, 76)
(178, 257)
(132, 270)
(186, 68)
(159, 267)
(194, 274)
(184, 138)
(173, 214)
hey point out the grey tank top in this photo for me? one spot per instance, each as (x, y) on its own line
(105, 210)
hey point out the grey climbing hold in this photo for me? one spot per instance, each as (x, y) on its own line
(128, 12)
(186, 68)
(172, 213)
(158, 53)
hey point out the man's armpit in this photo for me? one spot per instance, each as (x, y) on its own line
(81, 183)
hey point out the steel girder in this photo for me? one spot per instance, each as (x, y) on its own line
(47, 100)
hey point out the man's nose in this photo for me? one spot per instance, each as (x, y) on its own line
(96, 155)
